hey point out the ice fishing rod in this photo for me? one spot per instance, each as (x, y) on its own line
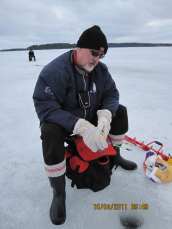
(118, 146)
(122, 147)
(114, 144)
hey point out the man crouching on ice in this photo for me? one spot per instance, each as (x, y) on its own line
(73, 93)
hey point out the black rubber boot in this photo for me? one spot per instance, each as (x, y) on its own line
(125, 164)
(58, 206)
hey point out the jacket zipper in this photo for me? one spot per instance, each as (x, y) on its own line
(84, 90)
(84, 82)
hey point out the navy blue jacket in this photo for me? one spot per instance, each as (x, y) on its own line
(55, 92)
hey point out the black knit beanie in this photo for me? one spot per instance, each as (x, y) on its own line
(93, 38)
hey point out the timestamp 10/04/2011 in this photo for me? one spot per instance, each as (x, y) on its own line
(120, 206)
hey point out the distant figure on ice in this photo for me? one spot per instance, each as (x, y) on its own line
(31, 55)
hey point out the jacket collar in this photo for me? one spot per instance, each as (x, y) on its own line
(79, 70)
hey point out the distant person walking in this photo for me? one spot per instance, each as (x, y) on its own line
(31, 55)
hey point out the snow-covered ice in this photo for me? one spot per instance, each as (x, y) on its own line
(143, 77)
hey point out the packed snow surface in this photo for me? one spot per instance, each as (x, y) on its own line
(144, 78)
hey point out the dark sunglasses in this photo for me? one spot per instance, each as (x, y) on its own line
(95, 54)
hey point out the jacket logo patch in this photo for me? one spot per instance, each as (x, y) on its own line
(49, 91)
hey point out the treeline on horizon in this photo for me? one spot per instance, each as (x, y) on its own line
(112, 45)
(70, 46)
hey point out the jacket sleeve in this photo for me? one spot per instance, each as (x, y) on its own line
(110, 96)
(48, 98)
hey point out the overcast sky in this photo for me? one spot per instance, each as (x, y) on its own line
(24, 23)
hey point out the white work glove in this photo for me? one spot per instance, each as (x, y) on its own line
(104, 120)
(92, 137)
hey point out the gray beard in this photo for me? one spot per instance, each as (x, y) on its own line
(87, 68)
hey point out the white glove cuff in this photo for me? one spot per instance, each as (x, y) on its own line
(79, 125)
(104, 114)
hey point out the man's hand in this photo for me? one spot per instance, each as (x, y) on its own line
(104, 120)
(92, 137)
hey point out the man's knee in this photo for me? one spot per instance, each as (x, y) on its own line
(119, 124)
(52, 131)
(122, 111)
